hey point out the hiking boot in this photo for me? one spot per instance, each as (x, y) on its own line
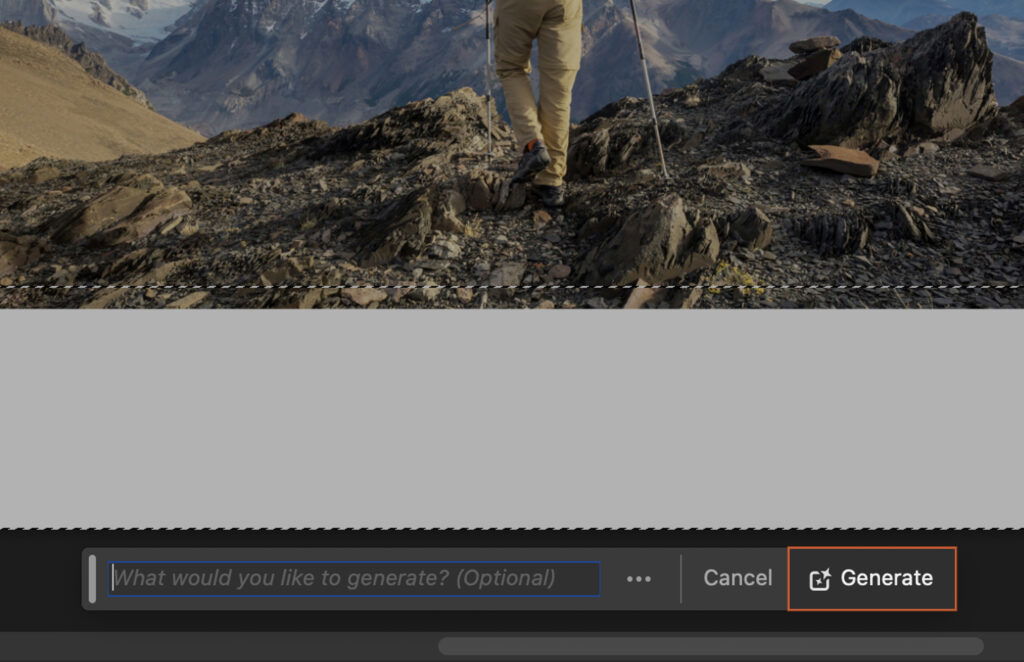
(535, 159)
(551, 196)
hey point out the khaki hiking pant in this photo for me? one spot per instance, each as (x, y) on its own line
(557, 26)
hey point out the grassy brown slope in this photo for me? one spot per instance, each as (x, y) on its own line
(49, 106)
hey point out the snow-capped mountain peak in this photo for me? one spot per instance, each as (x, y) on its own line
(139, 20)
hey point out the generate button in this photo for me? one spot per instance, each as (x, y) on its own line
(872, 578)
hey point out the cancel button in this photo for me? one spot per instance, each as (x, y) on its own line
(733, 579)
(872, 579)
(723, 578)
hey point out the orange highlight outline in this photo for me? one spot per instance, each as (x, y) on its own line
(956, 579)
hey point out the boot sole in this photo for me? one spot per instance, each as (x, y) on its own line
(557, 205)
(531, 172)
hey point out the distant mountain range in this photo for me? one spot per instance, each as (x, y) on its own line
(220, 64)
(231, 64)
(905, 12)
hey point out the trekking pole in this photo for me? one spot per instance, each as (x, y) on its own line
(490, 83)
(650, 92)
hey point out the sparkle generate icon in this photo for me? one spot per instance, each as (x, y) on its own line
(821, 580)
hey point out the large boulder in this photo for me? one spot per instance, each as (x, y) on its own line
(406, 226)
(815, 64)
(843, 160)
(937, 82)
(656, 244)
(487, 190)
(157, 209)
(453, 122)
(620, 137)
(808, 46)
(131, 210)
(607, 147)
(835, 233)
(18, 252)
(752, 228)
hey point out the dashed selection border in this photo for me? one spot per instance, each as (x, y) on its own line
(528, 288)
(521, 529)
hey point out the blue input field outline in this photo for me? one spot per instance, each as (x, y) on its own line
(600, 580)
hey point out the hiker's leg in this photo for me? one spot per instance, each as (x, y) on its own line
(561, 48)
(515, 29)
(555, 116)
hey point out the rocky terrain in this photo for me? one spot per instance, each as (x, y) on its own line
(51, 105)
(911, 197)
